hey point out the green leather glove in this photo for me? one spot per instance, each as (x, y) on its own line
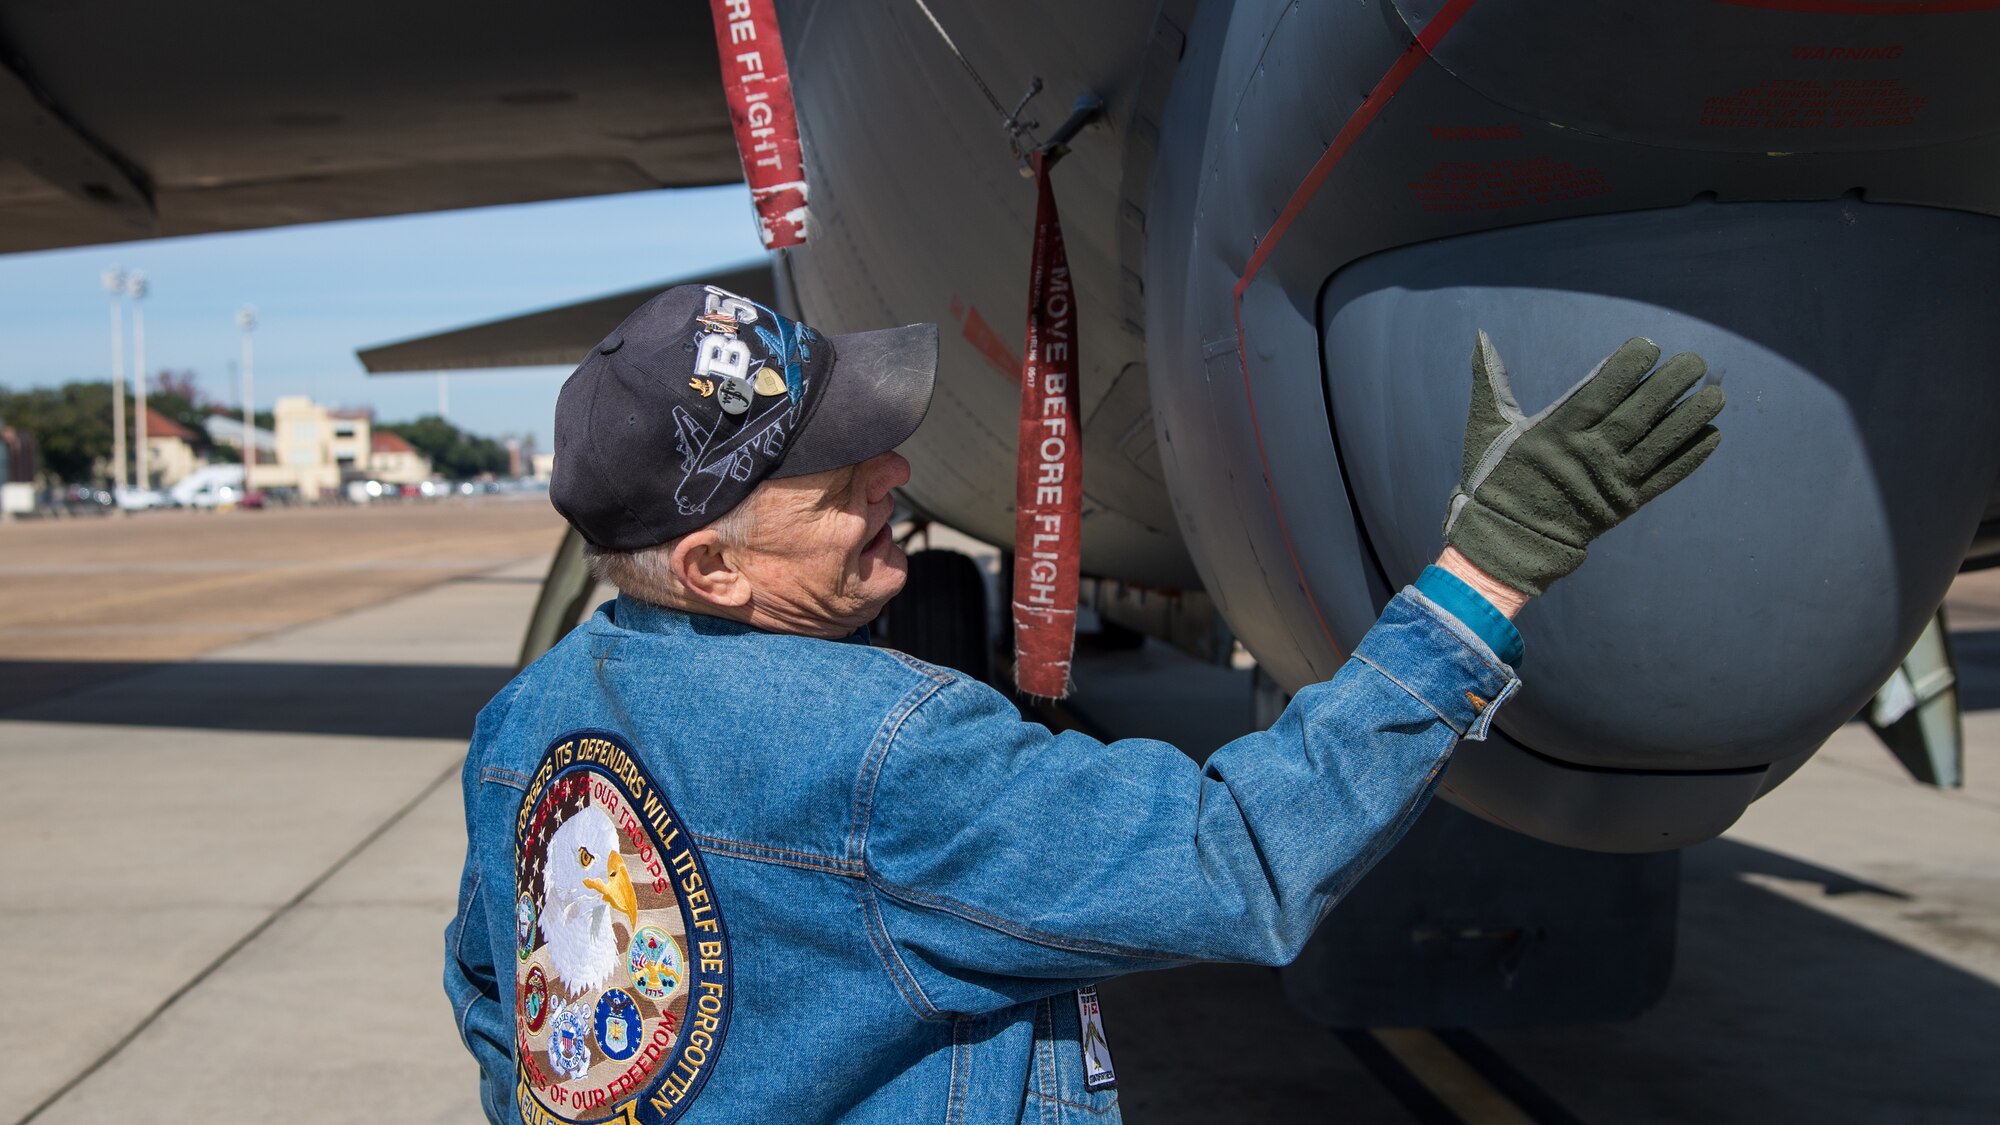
(1537, 490)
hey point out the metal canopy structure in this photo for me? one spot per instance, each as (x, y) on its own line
(199, 118)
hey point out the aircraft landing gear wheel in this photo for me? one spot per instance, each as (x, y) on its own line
(941, 614)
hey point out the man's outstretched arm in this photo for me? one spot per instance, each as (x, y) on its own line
(1060, 858)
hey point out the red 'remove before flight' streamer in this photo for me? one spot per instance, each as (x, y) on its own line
(759, 89)
(1048, 482)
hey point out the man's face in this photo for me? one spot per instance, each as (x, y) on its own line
(817, 549)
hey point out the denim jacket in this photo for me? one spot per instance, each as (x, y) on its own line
(721, 875)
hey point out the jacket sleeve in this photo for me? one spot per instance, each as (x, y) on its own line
(1006, 862)
(472, 982)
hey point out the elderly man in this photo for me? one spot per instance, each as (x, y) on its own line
(727, 863)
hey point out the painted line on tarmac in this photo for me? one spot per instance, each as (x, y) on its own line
(135, 669)
(1451, 1077)
(138, 1029)
(381, 559)
(1539, 1103)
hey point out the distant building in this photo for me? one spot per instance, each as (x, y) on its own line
(224, 429)
(170, 451)
(545, 465)
(395, 460)
(17, 472)
(17, 455)
(352, 442)
(302, 437)
(319, 450)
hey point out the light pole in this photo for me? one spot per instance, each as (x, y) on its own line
(114, 284)
(246, 319)
(135, 286)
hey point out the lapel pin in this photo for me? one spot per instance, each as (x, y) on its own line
(733, 392)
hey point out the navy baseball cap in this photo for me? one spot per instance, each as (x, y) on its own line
(701, 394)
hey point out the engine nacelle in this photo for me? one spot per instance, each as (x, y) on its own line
(1362, 203)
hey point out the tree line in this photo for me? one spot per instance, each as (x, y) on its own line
(453, 452)
(71, 425)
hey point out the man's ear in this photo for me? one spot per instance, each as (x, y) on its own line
(706, 571)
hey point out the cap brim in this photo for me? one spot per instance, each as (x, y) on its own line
(877, 392)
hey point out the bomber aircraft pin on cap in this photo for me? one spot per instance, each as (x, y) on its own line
(701, 394)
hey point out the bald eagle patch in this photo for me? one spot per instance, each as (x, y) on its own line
(621, 943)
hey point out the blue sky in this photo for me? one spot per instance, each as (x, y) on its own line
(323, 290)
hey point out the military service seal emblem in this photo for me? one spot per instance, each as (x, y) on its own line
(624, 959)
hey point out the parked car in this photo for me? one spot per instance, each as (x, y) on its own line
(140, 499)
(81, 499)
(211, 487)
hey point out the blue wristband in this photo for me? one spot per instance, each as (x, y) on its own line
(1473, 611)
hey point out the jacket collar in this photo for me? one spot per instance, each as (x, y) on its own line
(628, 612)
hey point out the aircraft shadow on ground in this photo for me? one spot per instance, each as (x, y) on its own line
(1777, 1011)
(372, 700)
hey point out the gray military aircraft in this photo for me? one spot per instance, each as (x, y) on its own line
(1286, 220)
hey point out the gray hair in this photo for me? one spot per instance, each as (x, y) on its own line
(647, 573)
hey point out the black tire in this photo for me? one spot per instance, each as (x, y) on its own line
(941, 614)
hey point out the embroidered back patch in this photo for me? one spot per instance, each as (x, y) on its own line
(623, 970)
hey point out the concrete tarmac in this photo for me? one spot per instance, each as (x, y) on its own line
(231, 743)
(227, 881)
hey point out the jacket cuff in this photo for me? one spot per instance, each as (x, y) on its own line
(1446, 666)
(1449, 592)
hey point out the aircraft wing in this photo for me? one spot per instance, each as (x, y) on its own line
(124, 120)
(558, 335)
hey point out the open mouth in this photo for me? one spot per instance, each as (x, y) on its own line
(877, 541)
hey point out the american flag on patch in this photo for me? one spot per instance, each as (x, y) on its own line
(562, 801)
